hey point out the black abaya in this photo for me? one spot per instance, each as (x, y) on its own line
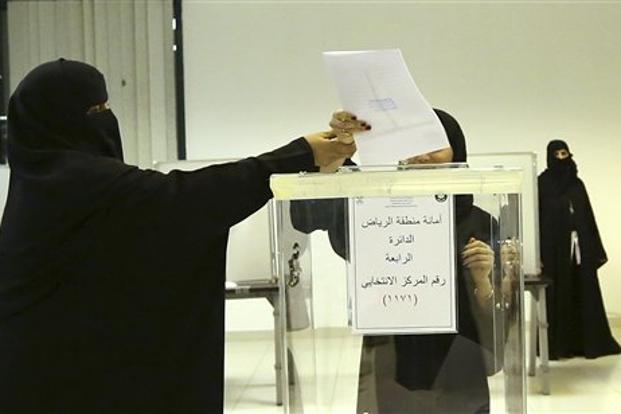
(450, 367)
(578, 324)
(112, 277)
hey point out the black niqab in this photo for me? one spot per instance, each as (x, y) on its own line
(563, 172)
(49, 114)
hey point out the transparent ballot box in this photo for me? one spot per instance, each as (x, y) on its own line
(408, 297)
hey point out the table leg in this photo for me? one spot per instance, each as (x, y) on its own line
(532, 343)
(543, 342)
(278, 352)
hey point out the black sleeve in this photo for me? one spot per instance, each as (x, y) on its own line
(213, 198)
(326, 214)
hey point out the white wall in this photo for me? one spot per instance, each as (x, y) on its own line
(514, 74)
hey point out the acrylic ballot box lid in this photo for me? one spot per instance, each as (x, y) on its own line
(389, 181)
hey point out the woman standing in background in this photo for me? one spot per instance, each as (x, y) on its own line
(571, 254)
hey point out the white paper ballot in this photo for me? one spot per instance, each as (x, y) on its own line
(377, 87)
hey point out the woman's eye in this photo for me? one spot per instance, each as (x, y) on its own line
(98, 108)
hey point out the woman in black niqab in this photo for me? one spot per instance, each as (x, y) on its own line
(112, 277)
(430, 373)
(571, 253)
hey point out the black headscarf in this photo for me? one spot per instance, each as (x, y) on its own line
(64, 166)
(454, 134)
(463, 203)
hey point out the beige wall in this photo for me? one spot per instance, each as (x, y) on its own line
(514, 74)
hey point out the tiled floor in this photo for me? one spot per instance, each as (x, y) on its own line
(578, 385)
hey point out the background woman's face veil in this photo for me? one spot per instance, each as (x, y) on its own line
(564, 169)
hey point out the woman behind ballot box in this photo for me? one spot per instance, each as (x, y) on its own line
(437, 373)
(112, 277)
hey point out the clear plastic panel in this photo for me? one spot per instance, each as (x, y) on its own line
(527, 162)
(332, 367)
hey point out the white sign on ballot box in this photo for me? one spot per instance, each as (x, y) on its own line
(402, 276)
